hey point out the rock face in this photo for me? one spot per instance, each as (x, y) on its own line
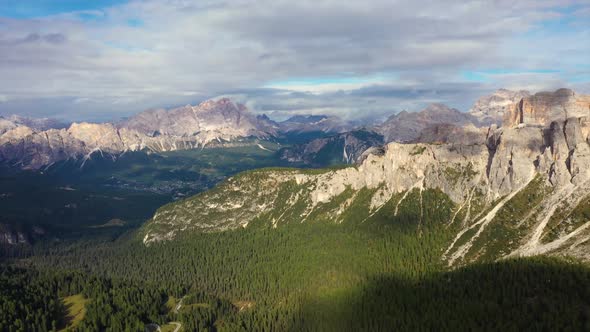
(491, 109)
(450, 133)
(546, 107)
(34, 144)
(407, 126)
(518, 190)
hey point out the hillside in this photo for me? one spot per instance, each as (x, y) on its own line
(520, 190)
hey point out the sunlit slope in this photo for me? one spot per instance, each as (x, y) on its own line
(513, 194)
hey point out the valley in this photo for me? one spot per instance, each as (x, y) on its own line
(453, 230)
(294, 166)
(67, 200)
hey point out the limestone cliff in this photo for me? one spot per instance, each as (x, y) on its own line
(546, 107)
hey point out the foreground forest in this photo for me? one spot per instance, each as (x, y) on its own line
(383, 274)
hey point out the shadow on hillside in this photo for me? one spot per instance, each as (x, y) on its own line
(527, 294)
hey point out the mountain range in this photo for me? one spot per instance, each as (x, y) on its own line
(516, 190)
(437, 123)
(38, 143)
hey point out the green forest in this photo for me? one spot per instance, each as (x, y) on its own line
(380, 275)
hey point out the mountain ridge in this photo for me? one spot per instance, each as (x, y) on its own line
(525, 180)
(222, 121)
(211, 123)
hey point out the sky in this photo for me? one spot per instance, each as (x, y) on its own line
(364, 60)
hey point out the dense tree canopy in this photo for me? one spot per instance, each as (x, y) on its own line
(385, 274)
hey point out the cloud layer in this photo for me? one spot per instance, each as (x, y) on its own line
(359, 59)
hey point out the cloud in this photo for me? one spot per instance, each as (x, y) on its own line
(368, 104)
(328, 56)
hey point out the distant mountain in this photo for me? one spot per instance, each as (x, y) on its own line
(221, 119)
(491, 109)
(407, 126)
(437, 123)
(340, 148)
(306, 119)
(37, 123)
(314, 123)
(210, 123)
(6, 125)
(13, 121)
(30, 143)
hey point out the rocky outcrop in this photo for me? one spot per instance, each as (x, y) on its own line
(491, 109)
(30, 149)
(545, 107)
(450, 133)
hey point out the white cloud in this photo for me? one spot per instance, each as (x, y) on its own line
(188, 50)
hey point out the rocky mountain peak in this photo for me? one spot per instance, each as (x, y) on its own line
(407, 126)
(211, 119)
(438, 108)
(221, 104)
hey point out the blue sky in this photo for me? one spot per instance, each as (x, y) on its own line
(100, 60)
(23, 9)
